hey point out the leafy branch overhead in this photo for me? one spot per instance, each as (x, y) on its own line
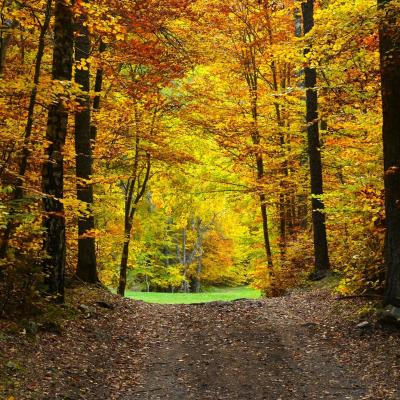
(171, 145)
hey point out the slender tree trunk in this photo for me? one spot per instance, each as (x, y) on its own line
(285, 170)
(197, 279)
(124, 261)
(302, 219)
(260, 177)
(3, 51)
(199, 267)
(131, 203)
(32, 101)
(87, 266)
(282, 224)
(314, 153)
(18, 191)
(147, 267)
(251, 76)
(291, 213)
(185, 284)
(390, 72)
(5, 38)
(52, 173)
(264, 215)
(98, 86)
(282, 142)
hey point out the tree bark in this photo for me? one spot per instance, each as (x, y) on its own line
(267, 243)
(281, 126)
(321, 263)
(390, 74)
(185, 284)
(131, 203)
(87, 266)
(199, 256)
(98, 86)
(251, 77)
(52, 173)
(260, 176)
(124, 261)
(5, 38)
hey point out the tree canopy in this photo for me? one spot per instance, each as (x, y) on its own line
(172, 145)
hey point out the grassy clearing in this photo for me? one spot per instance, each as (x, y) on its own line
(215, 294)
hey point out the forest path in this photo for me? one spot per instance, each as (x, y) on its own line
(241, 350)
(303, 346)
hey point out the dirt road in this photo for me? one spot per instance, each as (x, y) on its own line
(241, 350)
(302, 346)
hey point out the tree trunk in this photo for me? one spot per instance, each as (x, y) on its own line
(260, 177)
(185, 284)
(124, 261)
(321, 262)
(18, 191)
(5, 38)
(282, 224)
(98, 86)
(52, 173)
(285, 170)
(131, 203)
(32, 101)
(264, 215)
(87, 267)
(199, 267)
(390, 73)
(251, 76)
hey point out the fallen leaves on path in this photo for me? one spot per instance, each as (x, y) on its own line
(303, 346)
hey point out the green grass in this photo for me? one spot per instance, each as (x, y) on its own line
(215, 294)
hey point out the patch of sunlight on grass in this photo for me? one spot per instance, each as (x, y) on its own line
(214, 294)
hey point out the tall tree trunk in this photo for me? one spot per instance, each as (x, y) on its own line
(52, 173)
(124, 261)
(199, 245)
(131, 203)
(87, 267)
(285, 170)
(281, 124)
(5, 38)
(18, 191)
(185, 284)
(321, 262)
(260, 177)
(264, 215)
(282, 223)
(390, 72)
(251, 76)
(98, 86)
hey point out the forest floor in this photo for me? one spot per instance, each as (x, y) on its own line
(307, 345)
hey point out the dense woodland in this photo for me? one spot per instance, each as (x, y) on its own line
(170, 145)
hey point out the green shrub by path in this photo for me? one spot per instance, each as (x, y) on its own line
(225, 294)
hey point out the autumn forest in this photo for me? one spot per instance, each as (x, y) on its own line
(180, 145)
(182, 142)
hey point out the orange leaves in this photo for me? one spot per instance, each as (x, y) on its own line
(371, 41)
